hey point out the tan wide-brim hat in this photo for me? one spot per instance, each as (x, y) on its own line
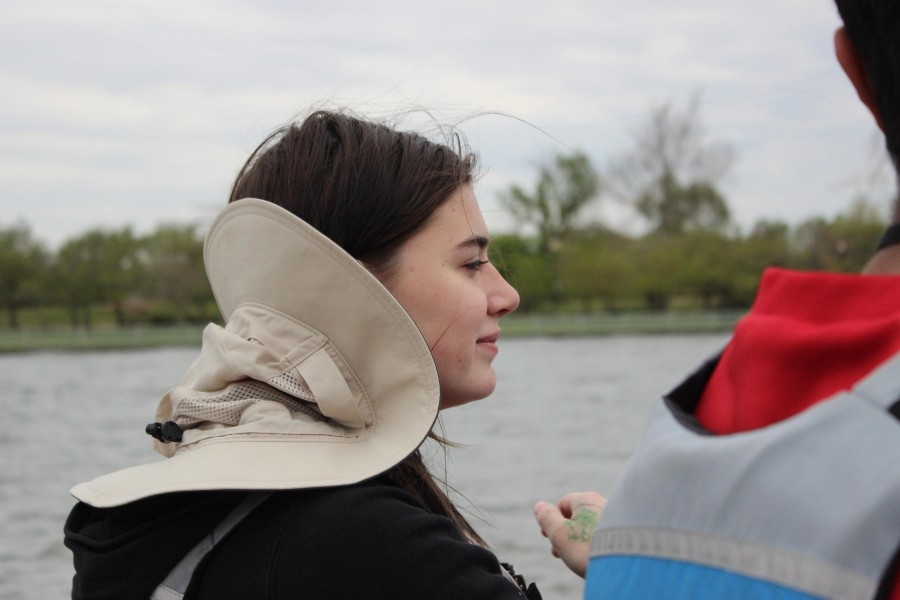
(325, 375)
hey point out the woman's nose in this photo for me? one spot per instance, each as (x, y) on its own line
(503, 298)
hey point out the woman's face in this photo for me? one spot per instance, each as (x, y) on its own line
(456, 297)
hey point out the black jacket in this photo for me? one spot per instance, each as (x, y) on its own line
(371, 540)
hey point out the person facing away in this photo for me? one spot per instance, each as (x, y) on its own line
(351, 269)
(774, 470)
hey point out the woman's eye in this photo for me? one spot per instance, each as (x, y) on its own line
(476, 265)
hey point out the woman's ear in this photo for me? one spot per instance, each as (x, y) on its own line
(856, 71)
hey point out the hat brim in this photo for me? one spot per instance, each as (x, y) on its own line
(258, 253)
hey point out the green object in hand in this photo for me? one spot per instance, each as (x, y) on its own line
(582, 524)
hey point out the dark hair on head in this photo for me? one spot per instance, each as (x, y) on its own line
(369, 188)
(873, 27)
(366, 186)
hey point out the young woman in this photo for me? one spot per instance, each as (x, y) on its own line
(351, 268)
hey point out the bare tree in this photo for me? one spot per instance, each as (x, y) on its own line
(671, 172)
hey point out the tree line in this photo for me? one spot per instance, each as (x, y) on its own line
(596, 269)
(559, 258)
(158, 278)
(691, 252)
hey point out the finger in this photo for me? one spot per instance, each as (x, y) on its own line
(565, 505)
(548, 517)
(570, 503)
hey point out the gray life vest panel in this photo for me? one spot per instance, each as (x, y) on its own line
(808, 507)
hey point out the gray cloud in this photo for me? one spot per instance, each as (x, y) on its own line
(140, 112)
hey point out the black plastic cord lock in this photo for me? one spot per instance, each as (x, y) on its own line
(165, 432)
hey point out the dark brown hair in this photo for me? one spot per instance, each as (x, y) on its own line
(366, 186)
(369, 188)
(874, 28)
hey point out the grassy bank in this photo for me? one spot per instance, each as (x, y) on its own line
(29, 340)
(107, 337)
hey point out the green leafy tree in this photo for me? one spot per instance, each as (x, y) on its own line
(767, 245)
(77, 275)
(97, 267)
(657, 267)
(22, 262)
(843, 244)
(676, 209)
(563, 189)
(707, 267)
(172, 257)
(598, 267)
(122, 271)
(525, 268)
(670, 175)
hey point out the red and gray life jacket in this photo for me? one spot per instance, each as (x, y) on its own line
(805, 508)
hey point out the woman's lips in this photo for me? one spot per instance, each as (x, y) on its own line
(489, 342)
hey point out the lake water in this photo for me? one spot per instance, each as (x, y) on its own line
(565, 416)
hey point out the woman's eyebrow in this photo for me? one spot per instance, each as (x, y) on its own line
(480, 241)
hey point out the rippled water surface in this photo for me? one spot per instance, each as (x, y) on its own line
(565, 416)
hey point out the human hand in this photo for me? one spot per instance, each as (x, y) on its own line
(569, 525)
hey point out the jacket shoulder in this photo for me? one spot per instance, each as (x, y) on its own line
(369, 540)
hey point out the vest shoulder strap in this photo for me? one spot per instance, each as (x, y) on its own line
(176, 582)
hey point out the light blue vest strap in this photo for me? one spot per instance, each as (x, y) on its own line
(729, 562)
(176, 582)
(639, 577)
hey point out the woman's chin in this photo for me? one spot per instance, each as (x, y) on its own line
(451, 398)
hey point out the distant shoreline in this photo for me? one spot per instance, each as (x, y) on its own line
(535, 325)
(625, 323)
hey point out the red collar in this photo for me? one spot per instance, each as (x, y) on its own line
(808, 336)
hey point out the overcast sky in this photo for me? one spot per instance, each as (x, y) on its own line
(118, 112)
